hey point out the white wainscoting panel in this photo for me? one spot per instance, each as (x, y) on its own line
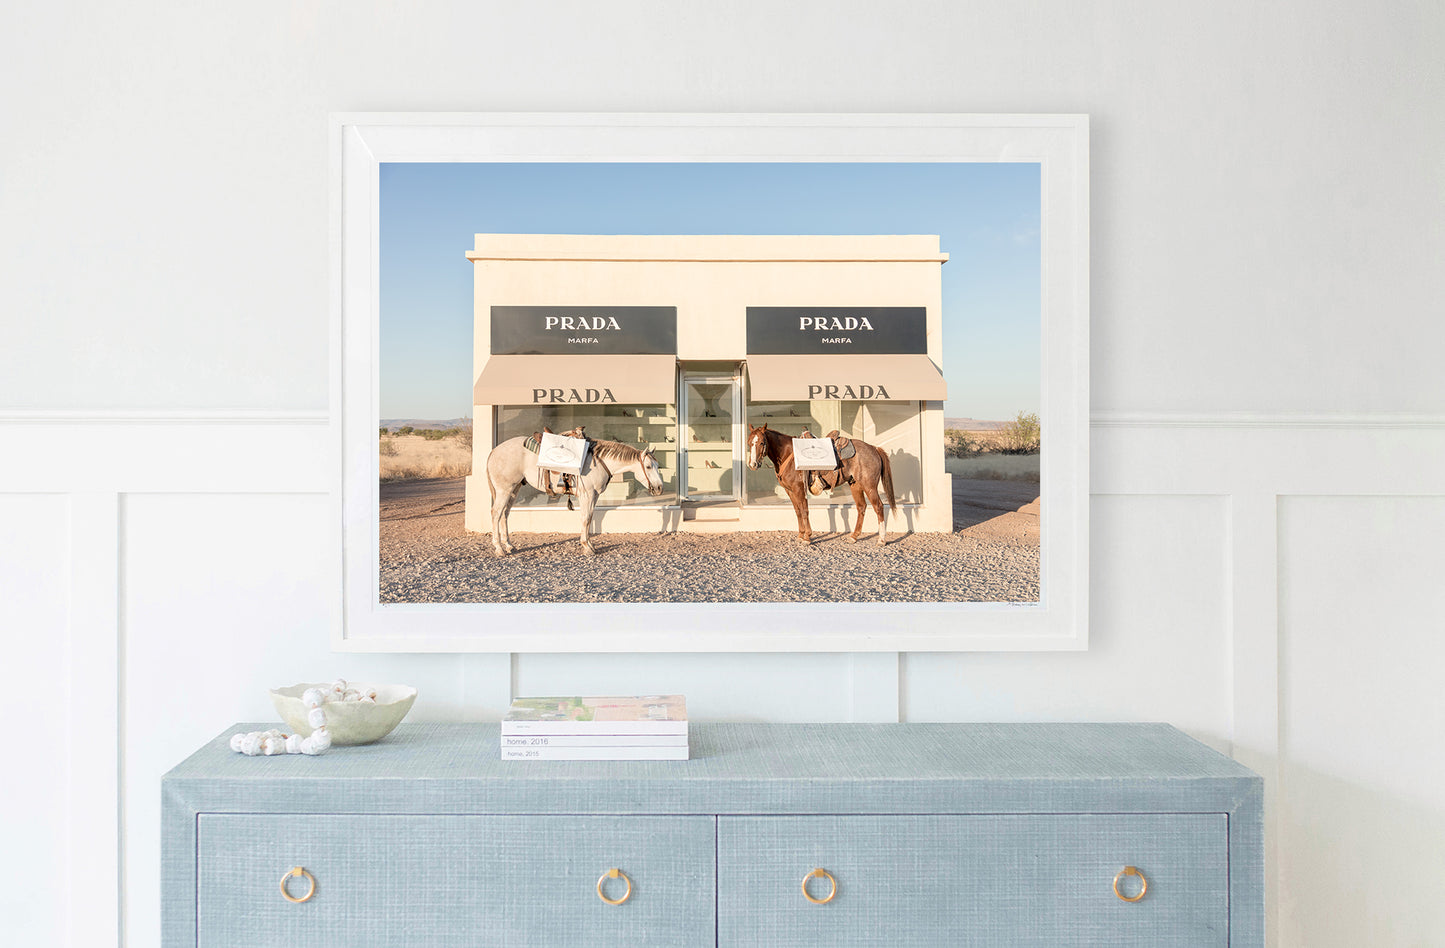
(228, 596)
(35, 904)
(97, 735)
(1267, 583)
(1158, 633)
(1362, 702)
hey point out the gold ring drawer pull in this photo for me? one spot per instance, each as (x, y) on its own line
(1143, 884)
(292, 873)
(614, 874)
(820, 874)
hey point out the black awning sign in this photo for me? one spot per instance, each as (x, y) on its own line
(837, 330)
(584, 330)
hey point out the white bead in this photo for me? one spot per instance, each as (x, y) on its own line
(275, 732)
(339, 686)
(321, 738)
(271, 746)
(293, 744)
(316, 717)
(313, 697)
(351, 695)
(251, 744)
(308, 747)
(370, 694)
(236, 740)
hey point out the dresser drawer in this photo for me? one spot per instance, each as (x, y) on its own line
(453, 880)
(989, 880)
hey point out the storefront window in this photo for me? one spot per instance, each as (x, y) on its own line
(642, 426)
(893, 426)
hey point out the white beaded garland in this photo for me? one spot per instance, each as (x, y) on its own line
(270, 743)
(273, 742)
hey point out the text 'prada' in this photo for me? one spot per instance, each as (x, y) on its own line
(558, 396)
(834, 323)
(573, 323)
(816, 392)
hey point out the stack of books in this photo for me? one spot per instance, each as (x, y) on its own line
(648, 727)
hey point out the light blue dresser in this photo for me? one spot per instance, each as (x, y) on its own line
(925, 834)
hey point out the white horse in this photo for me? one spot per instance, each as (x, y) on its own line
(510, 465)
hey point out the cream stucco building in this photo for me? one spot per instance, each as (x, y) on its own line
(681, 343)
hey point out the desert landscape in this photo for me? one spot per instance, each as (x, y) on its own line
(426, 554)
(420, 449)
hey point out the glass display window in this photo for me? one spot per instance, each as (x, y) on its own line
(894, 426)
(641, 426)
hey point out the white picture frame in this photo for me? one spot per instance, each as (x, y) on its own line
(360, 143)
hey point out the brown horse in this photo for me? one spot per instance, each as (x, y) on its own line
(862, 472)
(777, 447)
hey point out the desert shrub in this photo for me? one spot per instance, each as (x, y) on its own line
(1023, 435)
(464, 436)
(388, 448)
(406, 430)
(432, 434)
(385, 432)
(957, 444)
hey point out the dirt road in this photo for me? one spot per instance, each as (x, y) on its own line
(992, 555)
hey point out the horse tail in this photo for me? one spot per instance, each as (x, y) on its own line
(887, 477)
(491, 485)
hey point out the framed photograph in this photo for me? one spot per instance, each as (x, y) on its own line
(667, 382)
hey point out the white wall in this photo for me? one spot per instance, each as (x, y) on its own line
(1267, 238)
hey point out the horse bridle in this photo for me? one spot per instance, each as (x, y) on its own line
(761, 434)
(649, 471)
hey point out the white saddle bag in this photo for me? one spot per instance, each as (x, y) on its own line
(814, 454)
(557, 453)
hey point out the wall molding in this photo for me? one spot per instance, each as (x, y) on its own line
(221, 417)
(1254, 419)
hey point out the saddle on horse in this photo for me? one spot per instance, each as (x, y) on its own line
(555, 482)
(821, 481)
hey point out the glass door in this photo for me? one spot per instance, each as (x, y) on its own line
(708, 438)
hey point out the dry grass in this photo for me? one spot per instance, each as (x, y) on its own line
(995, 467)
(408, 456)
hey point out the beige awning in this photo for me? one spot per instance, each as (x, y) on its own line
(577, 380)
(867, 378)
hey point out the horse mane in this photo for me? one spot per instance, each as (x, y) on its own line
(616, 451)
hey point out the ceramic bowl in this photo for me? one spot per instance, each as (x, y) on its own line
(350, 722)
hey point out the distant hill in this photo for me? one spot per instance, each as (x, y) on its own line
(422, 423)
(973, 424)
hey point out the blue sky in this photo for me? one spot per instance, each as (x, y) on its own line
(986, 216)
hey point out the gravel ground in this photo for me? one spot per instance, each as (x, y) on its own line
(993, 555)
